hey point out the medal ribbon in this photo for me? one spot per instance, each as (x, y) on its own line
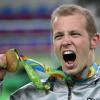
(40, 73)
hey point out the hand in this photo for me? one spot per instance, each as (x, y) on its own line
(3, 65)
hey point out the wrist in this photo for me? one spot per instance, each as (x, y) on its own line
(2, 73)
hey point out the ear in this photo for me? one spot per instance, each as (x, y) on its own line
(95, 40)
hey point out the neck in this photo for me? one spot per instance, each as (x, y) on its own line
(87, 73)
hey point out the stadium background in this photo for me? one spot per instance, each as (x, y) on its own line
(25, 25)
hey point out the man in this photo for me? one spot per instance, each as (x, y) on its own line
(2, 69)
(75, 39)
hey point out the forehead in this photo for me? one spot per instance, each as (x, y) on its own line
(70, 21)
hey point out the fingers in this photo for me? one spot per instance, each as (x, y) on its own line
(3, 65)
(2, 73)
(3, 62)
(12, 59)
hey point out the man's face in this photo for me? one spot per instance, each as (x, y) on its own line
(71, 42)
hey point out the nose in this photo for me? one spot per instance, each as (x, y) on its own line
(66, 41)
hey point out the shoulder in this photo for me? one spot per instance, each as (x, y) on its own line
(26, 87)
(23, 91)
(27, 92)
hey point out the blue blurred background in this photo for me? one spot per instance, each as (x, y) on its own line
(25, 25)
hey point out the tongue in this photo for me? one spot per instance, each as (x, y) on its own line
(70, 62)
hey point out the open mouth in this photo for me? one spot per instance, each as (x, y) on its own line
(69, 57)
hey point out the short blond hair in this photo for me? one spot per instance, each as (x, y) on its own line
(66, 10)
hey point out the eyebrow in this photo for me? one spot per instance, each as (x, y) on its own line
(56, 33)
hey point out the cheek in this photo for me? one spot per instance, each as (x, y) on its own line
(83, 47)
(56, 48)
(84, 51)
(55, 45)
(83, 44)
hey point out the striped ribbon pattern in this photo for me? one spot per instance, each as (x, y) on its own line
(40, 73)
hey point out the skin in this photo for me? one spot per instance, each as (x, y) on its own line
(3, 64)
(2, 73)
(70, 34)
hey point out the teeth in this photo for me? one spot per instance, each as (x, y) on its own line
(68, 52)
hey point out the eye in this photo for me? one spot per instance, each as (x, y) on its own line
(75, 34)
(58, 35)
